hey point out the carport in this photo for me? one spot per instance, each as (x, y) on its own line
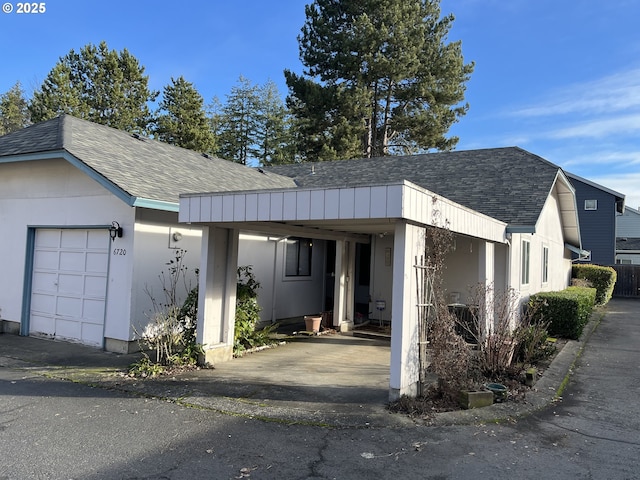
(346, 215)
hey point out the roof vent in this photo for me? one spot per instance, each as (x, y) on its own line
(206, 155)
(137, 137)
(261, 171)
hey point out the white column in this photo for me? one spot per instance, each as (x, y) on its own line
(404, 374)
(343, 288)
(217, 293)
(486, 277)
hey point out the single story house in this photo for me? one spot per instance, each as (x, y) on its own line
(513, 215)
(598, 209)
(94, 214)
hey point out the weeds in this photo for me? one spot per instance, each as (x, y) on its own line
(171, 333)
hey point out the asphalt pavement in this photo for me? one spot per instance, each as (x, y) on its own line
(327, 380)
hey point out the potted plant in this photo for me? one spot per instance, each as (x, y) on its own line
(312, 323)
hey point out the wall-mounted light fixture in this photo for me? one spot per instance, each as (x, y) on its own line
(115, 230)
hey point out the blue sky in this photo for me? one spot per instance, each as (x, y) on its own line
(560, 78)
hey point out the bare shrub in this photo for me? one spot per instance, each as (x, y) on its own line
(450, 354)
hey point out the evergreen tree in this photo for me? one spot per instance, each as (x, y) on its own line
(14, 114)
(181, 118)
(273, 127)
(239, 123)
(97, 84)
(378, 74)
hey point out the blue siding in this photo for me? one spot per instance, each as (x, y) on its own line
(597, 227)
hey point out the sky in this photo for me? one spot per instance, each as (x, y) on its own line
(559, 78)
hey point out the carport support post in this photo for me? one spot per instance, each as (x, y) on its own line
(217, 293)
(343, 289)
(405, 369)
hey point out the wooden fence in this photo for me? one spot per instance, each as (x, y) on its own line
(628, 283)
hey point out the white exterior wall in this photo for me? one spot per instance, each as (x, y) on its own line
(549, 234)
(153, 248)
(55, 194)
(280, 296)
(381, 287)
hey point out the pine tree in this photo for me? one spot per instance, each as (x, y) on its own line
(239, 123)
(14, 114)
(378, 74)
(181, 118)
(97, 84)
(273, 127)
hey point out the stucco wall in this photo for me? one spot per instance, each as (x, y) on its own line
(292, 296)
(52, 194)
(153, 248)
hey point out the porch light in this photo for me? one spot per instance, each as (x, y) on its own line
(115, 230)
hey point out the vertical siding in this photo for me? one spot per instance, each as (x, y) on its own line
(597, 227)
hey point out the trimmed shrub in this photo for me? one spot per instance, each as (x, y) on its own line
(566, 312)
(603, 279)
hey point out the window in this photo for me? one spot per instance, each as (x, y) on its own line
(545, 264)
(591, 204)
(524, 268)
(298, 257)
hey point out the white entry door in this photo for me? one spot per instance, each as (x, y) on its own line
(69, 284)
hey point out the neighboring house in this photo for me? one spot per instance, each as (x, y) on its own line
(628, 237)
(513, 216)
(598, 208)
(65, 186)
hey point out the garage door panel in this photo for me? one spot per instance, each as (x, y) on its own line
(92, 334)
(42, 324)
(72, 261)
(96, 262)
(68, 329)
(48, 238)
(95, 286)
(96, 239)
(41, 303)
(70, 284)
(69, 307)
(46, 260)
(44, 282)
(73, 239)
(93, 311)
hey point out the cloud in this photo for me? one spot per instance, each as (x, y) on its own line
(615, 158)
(626, 184)
(601, 127)
(614, 93)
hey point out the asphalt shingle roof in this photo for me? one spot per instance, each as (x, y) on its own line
(627, 243)
(509, 184)
(142, 167)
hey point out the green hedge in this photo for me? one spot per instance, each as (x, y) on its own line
(567, 311)
(603, 279)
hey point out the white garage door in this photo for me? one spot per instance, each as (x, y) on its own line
(69, 284)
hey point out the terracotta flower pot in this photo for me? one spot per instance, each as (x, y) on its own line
(312, 323)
